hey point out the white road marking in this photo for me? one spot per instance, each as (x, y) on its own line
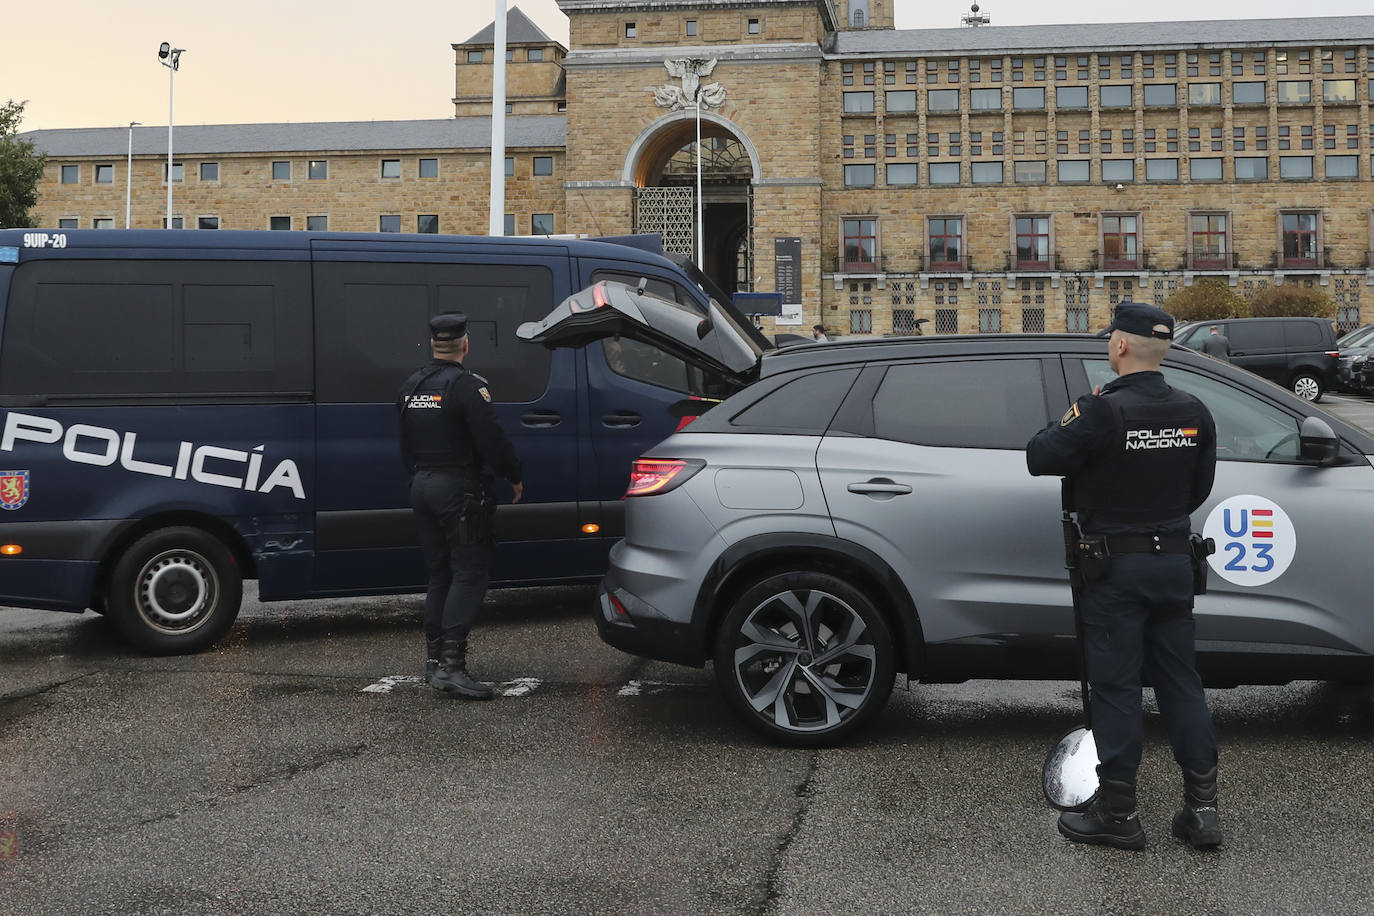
(519, 687)
(516, 687)
(647, 688)
(386, 684)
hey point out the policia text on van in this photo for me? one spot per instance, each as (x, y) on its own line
(181, 411)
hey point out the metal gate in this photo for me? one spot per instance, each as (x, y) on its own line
(671, 212)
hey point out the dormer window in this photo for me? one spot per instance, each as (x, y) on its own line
(858, 13)
(534, 54)
(858, 19)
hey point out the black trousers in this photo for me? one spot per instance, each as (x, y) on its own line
(458, 572)
(1140, 619)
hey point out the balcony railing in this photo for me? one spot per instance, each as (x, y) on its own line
(1140, 262)
(837, 264)
(1278, 260)
(1050, 263)
(1193, 260)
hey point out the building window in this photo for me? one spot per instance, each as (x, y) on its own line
(1071, 97)
(1295, 168)
(1029, 172)
(104, 174)
(859, 176)
(318, 169)
(989, 321)
(474, 57)
(691, 28)
(389, 224)
(1074, 170)
(68, 222)
(861, 321)
(942, 100)
(1033, 241)
(945, 235)
(1116, 96)
(178, 222)
(944, 173)
(860, 244)
(1161, 170)
(279, 223)
(1252, 168)
(281, 170)
(1120, 241)
(105, 222)
(209, 171)
(1299, 239)
(903, 173)
(508, 226)
(391, 168)
(1209, 242)
(317, 223)
(987, 173)
(1204, 93)
(1248, 93)
(541, 224)
(510, 165)
(900, 102)
(755, 26)
(543, 165)
(1338, 91)
(207, 222)
(1342, 167)
(534, 54)
(985, 99)
(429, 168)
(427, 224)
(510, 56)
(1028, 99)
(858, 103)
(71, 174)
(631, 31)
(178, 173)
(1118, 170)
(1204, 169)
(1295, 92)
(1161, 95)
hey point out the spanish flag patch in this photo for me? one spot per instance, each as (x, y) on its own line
(486, 395)
(1070, 415)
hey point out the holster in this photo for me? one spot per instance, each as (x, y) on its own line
(1200, 548)
(477, 522)
(1093, 557)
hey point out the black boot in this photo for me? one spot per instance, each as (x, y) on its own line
(432, 647)
(1199, 821)
(453, 678)
(1110, 821)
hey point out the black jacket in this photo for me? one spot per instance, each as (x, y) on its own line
(447, 423)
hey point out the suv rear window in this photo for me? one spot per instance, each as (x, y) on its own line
(803, 406)
(973, 404)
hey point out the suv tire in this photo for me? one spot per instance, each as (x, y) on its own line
(805, 658)
(1307, 386)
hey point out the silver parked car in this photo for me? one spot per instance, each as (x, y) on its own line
(864, 508)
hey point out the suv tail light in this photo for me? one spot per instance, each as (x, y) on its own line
(650, 476)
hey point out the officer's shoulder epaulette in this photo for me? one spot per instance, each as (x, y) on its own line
(481, 379)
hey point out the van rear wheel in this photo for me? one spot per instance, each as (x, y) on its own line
(175, 590)
(1307, 386)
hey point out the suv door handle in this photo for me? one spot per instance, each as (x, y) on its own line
(621, 419)
(541, 419)
(879, 486)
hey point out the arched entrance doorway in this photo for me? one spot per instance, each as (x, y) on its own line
(663, 166)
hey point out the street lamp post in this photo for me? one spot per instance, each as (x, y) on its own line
(701, 228)
(170, 58)
(129, 175)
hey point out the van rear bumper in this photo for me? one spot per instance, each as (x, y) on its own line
(65, 585)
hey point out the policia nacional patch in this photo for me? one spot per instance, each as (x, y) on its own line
(1070, 415)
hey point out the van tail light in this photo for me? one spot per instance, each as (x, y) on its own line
(1333, 353)
(650, 476)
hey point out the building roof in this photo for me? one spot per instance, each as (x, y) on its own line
(520, 30)
(1329, 30)
(329, 136)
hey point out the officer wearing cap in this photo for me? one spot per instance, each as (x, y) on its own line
(449, 438)
(1141, 457)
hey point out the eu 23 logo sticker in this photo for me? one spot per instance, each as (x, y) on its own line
(1255, 540)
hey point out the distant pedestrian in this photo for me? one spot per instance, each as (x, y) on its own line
(818, 333)
(1216, 344)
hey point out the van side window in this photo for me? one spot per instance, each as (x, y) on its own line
(644, 362)
(372, 325)
(1303, 335)
(1255, 335)
(178, 330)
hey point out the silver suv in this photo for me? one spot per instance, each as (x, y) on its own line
(859, 509)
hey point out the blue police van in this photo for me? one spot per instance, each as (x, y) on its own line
(180, 411)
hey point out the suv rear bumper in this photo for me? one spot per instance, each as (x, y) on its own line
(632, 625)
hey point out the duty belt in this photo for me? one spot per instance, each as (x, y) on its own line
(1148, 543)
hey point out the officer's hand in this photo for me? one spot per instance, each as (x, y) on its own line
(519, 489)
(1097, 390)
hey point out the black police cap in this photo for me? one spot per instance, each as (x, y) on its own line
(1140, 319)
(448, 326)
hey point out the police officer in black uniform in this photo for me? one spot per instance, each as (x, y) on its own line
(1141, 457)
(449, 437)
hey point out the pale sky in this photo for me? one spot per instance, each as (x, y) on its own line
(91, 63)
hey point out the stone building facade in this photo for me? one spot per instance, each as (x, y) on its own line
(993, 178)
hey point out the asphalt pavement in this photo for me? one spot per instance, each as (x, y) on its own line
(299, 767)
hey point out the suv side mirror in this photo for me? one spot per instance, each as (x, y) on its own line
(1317, 442)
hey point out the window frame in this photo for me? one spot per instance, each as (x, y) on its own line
(1035, 262)
(1209, 260)
(931, 235)
(1298, 233)
(310, 169)
(535, 166)
(200, 172)
(395, 165)
(860, 265)
(1121, 234)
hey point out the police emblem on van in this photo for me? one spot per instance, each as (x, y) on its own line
(14, 489)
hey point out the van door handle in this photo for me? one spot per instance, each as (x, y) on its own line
(879, 486)
(541, 419)
(1238, 353)
(621, 419)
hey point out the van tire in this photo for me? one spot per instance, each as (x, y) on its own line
(174, 591)
(1307, 386)
(759, 635)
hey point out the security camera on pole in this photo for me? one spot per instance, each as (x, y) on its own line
(170, 58)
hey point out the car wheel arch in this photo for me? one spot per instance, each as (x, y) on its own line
(753, 559)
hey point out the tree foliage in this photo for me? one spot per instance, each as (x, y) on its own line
(1290, 299)
(21, 168)
(1205, 300)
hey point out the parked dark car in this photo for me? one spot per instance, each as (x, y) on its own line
(1298, 353)
(1353, 352)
